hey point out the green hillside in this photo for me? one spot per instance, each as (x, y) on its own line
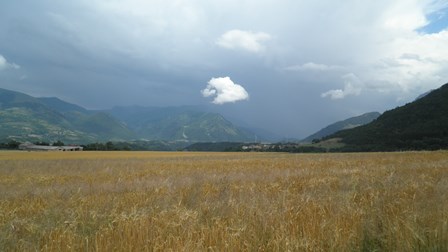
(26, 118)
(62, 106)
(102, 125)
(419, 125)
(25, 124)
(341, 125)
(180, 124)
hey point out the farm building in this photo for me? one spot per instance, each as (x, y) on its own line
(33, 147)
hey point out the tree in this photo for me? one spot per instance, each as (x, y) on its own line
(42, 143)
(110, 146)
(58, 143)
(13, 144)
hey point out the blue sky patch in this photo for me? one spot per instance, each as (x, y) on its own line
(438, 22)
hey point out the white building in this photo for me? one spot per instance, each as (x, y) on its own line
(33, 147)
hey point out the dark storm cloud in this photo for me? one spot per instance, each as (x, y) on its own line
(303, 63)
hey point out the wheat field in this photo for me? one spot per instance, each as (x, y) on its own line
(186, 201)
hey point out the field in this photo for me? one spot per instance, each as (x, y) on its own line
(185, 201)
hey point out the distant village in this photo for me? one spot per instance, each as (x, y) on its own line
(269, 147)
(161, 146)
(34, 147)
(279, 147)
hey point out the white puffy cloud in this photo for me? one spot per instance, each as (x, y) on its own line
(352, 86)
(246, 40)
(224, 90)
(4, 64)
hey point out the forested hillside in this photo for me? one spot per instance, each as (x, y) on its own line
(419, 125)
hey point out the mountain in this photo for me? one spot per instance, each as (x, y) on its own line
(26, 118)
(62, 106)
(100, 124)
(419, 125)
(424, 94)
(341, 125)
(180, 124)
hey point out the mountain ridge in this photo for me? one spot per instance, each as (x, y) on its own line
(28, 118)
(418, 125)
(186, 123)
(351, 122)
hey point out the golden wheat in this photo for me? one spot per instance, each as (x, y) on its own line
(153, 201)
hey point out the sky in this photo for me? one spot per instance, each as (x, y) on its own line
(287, 66)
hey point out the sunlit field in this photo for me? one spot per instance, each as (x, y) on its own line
(153, 201)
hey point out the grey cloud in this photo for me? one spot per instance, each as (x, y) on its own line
(352, 86)
(246, 40)
(4, 64)
(311, 66)
(105, 53)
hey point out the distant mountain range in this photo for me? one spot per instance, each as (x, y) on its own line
(180, 124)
(27, 118)
(341, 125)
(419, 125)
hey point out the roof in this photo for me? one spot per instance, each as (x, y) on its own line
(29, 146)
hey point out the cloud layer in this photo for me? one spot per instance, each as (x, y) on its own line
(246, 40)
(224, 90)
(311, 66)
(4, 64)
(340, 58)
(352, 86)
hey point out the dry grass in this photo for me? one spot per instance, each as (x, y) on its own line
(146, 201)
